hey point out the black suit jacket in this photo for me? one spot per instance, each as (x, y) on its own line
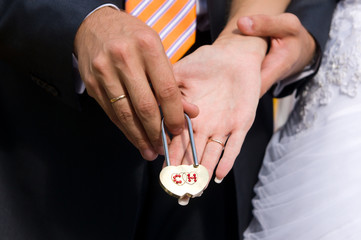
(66, 172)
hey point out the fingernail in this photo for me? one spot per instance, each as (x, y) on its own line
(183, 201)
(217, 180)
(149, 154)
(247, 23)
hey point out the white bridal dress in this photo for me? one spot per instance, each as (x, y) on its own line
(310, 182)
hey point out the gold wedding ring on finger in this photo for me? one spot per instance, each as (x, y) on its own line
(113, 100)
(216, 141)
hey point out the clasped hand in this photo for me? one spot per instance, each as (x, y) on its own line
(224, 81)
(120, 55)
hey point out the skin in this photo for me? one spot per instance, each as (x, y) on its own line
(227, 101)
(291, 45)
(215, 79)
(224, 80)
(119, 54)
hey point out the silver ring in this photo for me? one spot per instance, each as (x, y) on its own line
(113, 100)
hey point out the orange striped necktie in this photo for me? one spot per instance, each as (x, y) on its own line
(174, 20)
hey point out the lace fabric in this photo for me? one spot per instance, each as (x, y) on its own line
(309, 182)
(340, 71)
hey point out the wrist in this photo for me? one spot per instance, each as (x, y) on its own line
(235, 42)
(91, 22)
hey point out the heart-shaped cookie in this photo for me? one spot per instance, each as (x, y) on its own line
(184, 180)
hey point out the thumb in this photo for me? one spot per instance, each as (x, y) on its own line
(276, 66)
(269, 26)
(189, 108)
(272, 70)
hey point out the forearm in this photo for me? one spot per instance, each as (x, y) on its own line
(250, 50)
(240, 8)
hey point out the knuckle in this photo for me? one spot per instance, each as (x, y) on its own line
(174, 124)
(294, 22)
(125, 116)
(99, 63)
(119, 50)
(115, 120)
(167, 92)
(258, 22)
(157, 141)
(146, 108)
(141, 143)
(148, 40)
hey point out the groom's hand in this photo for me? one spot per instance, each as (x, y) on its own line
(291, 45)
(119, 55)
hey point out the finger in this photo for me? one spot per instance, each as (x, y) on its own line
(178, 147)
(160, 73)
(269, 26)
(213, 152)
(274, 67)
(200, 141)
(102, 98)
(96, 91)
(129, 120)
(123, 109)
(231, 151)
(143, 101)
(189, 108)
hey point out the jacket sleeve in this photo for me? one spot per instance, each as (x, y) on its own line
(316, 16)
(37, 37)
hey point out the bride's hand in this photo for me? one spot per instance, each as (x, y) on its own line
(224, 81)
